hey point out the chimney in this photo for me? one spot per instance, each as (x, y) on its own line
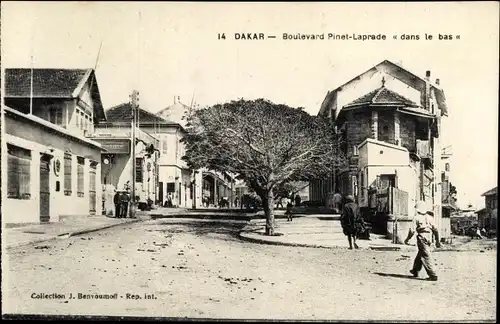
(174, 99)
(178, 98)
(427, 75)
(437, 81)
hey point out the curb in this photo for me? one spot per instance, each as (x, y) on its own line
(75, 233)
(255, 240)
(318, 246)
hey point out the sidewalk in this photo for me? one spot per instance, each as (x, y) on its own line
(36, 233)
(319, 231)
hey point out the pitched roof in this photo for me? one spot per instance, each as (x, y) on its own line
(47, 83)
(123, 113)
(174, 113)
(382, 96)
(402, 74)
(490, 192)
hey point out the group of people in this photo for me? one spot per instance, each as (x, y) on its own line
(121, 200)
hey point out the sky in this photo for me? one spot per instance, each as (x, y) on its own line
(172, 49)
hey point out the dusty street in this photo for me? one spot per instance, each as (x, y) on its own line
(195, 268)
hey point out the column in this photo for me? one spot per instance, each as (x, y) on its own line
(215, 191)
(397, 134)
(374, 124)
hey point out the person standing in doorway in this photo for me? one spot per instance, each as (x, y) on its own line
(351, 221)
(424, 226)
(117, 202)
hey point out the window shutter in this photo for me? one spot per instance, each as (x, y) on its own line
(80, 180)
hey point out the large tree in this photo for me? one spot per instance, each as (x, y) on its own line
(264, 143)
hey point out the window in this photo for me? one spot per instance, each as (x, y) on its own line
(18, 166)
(55, 115)
(164, 146)
(79, 183)
(67, 174)
(82, 120)
(138, 170)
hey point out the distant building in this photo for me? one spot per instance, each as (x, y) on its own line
(117, 162)
(51, 169)
(487, 217)
(210, 186)
(388, 120)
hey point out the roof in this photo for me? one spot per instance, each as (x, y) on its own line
(51, 127)
(47, 83)
(123, 114)
(482, 210)
(400, 73)
(382, 96)
(490, 192)
(174, 113)
(53, 84)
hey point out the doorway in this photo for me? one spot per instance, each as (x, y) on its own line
(45, 188)
(160, 193)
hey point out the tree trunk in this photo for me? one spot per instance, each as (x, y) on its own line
(268, 205)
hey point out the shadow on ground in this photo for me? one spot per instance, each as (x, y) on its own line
(397, 275)
(226, 230)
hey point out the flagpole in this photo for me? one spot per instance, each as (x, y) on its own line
(31, 87)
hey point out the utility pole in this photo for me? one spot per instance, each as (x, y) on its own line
(134, 103)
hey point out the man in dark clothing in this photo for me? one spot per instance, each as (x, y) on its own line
(125, 200)
(351, 221)
(117, 202)
(289, 213)
(298, 200)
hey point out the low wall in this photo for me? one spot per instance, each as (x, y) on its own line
(398, 228)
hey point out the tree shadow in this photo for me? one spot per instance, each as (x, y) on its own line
(229, 230)
(398, 275)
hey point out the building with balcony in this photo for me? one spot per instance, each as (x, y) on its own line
(51, 168)
(388, 121)
(115, 136)
(207, 186)
(487, 216)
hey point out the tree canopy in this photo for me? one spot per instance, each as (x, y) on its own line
(266, 144)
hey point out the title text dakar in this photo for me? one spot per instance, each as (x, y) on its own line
(333, 36)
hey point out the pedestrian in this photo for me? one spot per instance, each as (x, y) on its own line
(236, 202)
(424, 226)
(337, 201)
(169, 200)
(125, 201)
(478, 233)
(288, 213)
(117, 202)
(280, 203)
(351, 221)
(297, 200)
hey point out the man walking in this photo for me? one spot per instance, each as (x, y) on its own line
(424, 226)
(351, 221)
